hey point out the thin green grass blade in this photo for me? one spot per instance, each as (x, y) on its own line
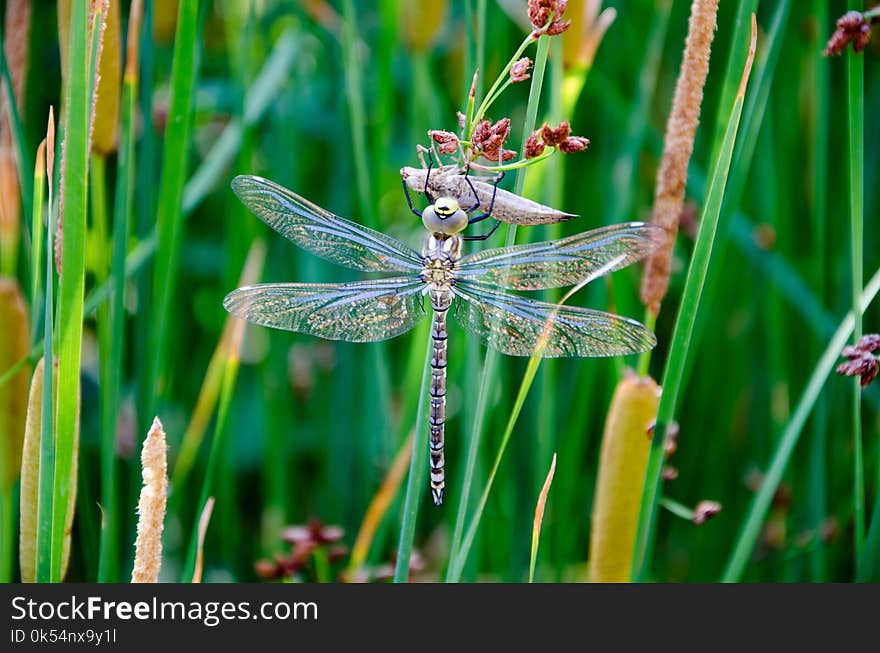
(108, 562)
(754, 521)
(415, 482)
(855, 77)
(46, 483)
(169, 216)
(819, 94)
(684, 324)
(71, 288)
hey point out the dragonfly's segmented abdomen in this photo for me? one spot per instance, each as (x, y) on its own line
(440, 301)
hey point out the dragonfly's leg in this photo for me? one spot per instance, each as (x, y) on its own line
(467, 172)
(428, 176)
(409, 199)
(485, 235)
(479, 218)
(495, 191)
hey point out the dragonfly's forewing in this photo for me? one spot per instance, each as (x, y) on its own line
(563, 262)
(516, 326)
(449, 181)
(362, 311)
(322, 233)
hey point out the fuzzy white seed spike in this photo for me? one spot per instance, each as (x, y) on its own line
(151, 507)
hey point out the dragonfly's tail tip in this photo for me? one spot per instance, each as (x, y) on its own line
(437, 495)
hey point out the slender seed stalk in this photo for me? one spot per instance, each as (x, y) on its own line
(856, 109)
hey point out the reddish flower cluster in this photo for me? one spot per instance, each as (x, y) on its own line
(853, 27)
(488, 140)
(541, 12)
(447, 142)
(705, 510)
(862, 362)
(559, 137)
(519, 72)
(305, 540)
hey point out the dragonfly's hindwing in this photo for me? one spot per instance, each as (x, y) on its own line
(520, 326)
(363, 311)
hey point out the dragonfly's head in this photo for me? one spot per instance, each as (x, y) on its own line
(445, 216)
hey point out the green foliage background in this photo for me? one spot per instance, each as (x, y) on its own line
(312, 426)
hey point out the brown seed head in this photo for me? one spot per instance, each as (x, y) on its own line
(555, 136)
(868, 342)
(705, 510)
(574, 144)
(519, 72)
(488, 139)
(852, 27)
(542, 11)
(860, 364)
(534, 146)
(447, 142)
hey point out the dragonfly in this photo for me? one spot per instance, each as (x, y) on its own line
(472, 287)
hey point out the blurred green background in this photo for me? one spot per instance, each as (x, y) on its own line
(330, 99)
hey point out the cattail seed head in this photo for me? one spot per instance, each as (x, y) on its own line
(151, 507)
(14, 346)
(678, 146)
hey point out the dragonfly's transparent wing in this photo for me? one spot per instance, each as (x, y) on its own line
(363, 311)
(322, 233)
(563, 262)
(516, 325)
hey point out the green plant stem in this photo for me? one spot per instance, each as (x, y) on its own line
(490, 362)
(108, 562)
(230, 374)
(71, 288)
(46, 482)
(856, 108)
(109, 370)
(675, 365)
(676, 508)
(351, 45)
(818, 457)
(169, 215)
(415, 483)
(493, 90)
(457, 564)
(754, 521)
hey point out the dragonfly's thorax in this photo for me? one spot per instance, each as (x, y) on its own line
(439, 257)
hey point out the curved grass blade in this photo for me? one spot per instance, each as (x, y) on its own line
(169, 216)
